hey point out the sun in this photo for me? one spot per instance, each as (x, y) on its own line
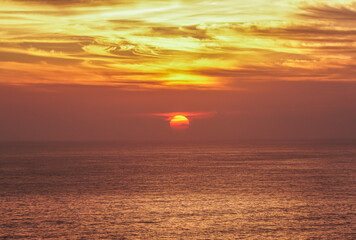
(179, 122)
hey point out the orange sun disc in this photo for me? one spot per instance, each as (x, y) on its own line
(179, 122)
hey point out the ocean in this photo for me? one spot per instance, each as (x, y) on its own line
(242, 190)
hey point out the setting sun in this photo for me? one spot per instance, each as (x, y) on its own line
(179, 122)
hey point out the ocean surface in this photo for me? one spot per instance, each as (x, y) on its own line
(246, 190)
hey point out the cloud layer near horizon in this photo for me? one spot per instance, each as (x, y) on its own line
(174, 44)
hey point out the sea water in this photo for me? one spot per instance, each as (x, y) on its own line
(244, 190)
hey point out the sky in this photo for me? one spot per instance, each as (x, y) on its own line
(115, 69)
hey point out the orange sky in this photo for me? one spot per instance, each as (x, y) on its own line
(229, 57)
(150, 44)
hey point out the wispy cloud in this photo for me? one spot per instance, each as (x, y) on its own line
(329, 12)
(174, 44)
(191, 115)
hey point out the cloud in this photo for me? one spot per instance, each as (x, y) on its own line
(328, 12)
(182, 31)
(33, 59)
(177, 44)
(191, 115)
(296, 32)
(335, 72)
(73, 2)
